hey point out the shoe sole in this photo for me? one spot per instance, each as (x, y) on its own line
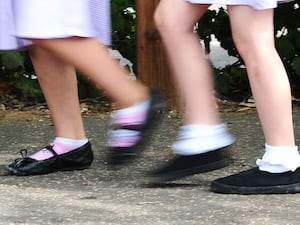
(15, 172)
(278, 189)
(188, 172)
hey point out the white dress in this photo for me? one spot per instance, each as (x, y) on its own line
(256, 4)
(52, 19)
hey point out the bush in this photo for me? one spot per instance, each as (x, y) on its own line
(231, 81)
(17, 72)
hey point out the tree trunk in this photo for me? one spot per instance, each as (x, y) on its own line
(152, 65)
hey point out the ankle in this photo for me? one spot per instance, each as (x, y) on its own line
(59, 146)
(198, 139)
(132, 99)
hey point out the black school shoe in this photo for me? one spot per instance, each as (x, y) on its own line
(122, 155)
(77, 159)
(181, 166)
(254, 181)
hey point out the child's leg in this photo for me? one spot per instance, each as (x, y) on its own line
(59, 85)
(269, 82)
(203, 136)
(175, 20)
(93, 60)
(254, 37)
(138, 107)
(278, 171)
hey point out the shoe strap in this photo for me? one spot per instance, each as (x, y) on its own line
(50, 148)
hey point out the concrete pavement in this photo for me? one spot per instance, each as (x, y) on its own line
(101, 196)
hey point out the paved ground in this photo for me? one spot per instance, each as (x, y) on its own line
(101, 196)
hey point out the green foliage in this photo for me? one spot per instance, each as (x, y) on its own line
(232, 83)
(296, 65)
(17, 70)
(29, 85)
(12, 60)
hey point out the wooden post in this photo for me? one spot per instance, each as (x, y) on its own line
(152, 65)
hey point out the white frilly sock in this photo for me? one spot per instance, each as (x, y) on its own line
(279, 159)
(196, 139)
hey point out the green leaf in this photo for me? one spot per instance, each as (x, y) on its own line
(12, 59)
(285, 47)
(296, 65)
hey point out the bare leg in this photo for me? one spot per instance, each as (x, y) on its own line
(203, 130)
(191, 68)
(254, 39)
(93, 60)
(203, 138)
(70, 150)
(278, 171)
(59, 84)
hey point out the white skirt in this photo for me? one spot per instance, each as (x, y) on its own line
(48, 19)
(256, 4)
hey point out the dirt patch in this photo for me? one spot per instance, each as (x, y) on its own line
(24, 115)
(14, 109)
(89, 108)
(42, 113)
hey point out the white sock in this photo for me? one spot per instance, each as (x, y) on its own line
(140, 107)
(196, 139)
(73, 143)
(279, 159)
(60, 146)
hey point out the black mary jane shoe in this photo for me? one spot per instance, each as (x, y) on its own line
(77, 159)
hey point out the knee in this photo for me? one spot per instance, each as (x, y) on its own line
(165, 24)
(160, 21)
